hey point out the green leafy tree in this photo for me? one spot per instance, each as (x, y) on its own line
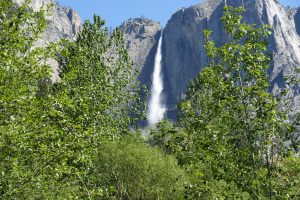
(98, 85)
(232, 121)
(24, 77)
(49, 133)
(93, 102)
(171, 139)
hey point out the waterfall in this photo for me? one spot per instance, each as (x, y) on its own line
(156, 109)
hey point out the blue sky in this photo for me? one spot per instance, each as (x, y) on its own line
(116, 11)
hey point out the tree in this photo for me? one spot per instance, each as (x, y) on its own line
(23, 70)
(98, 85)
(93, 102)
(231, 118)
(50, 133)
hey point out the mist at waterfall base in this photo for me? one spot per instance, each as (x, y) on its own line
(156, 109)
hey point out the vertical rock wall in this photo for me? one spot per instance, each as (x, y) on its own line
(62, 23)
(184, 55)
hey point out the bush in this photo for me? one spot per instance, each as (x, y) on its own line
(132, 169)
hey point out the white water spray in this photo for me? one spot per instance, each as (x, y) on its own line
(156, 109)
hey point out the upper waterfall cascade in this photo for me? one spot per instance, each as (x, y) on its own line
(156, 109)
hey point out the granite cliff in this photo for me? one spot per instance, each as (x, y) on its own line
(141, 37)
(62, 23)
(184, 55)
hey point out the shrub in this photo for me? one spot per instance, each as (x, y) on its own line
(135, 170)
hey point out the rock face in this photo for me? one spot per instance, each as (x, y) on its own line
(141, 37)
(184, 55)
(297, 20)
(183, 52)
(62, 23)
